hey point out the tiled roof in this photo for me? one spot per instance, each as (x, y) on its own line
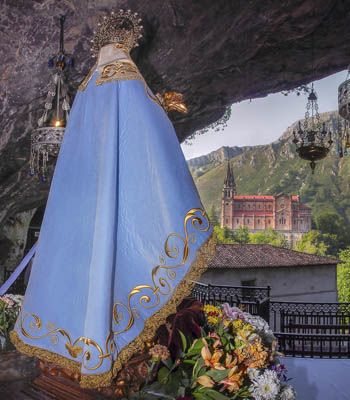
(253, 197)
(263, 256)
(251, 213)
(295, 197)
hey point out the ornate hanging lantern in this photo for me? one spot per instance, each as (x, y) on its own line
(312, 138)
(343, 142)
(47, 138)
(344, 98)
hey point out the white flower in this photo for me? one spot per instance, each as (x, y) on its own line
(253, 373)
(260, 326)
(232, 313)
(266, 386)
(287, 393)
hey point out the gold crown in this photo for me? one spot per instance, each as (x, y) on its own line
(122, 28)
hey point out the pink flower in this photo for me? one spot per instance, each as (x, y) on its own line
(7, 300)
(232, 313)
(159, 353)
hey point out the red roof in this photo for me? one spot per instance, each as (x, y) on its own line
(250, 213)
(253, 197)
(295, 197)
(264, 256)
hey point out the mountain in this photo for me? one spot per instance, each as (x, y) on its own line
(276, 168)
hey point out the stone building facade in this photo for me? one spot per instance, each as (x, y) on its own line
(284, 213)
(292, 275)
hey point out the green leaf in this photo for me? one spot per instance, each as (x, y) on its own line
(168, 363)
(218, 375)
(197, 368)
(201, 396)
(190, 362)
(162, 376)
(196, 348)
(183, 340)
(215, 395)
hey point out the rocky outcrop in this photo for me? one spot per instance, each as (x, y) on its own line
(215, 53)
(217, 156)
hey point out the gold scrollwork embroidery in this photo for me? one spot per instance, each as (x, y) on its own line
(119, 70)
(75, 348)
(176, 254)
(176, 249)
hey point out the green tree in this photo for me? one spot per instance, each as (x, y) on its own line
(312, 242)
(213, 218)
(268, 236)
(224, 235)
(241, 235)
(329, 222)
(335, 231)
(343, 276)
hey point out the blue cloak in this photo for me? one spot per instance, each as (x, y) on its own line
(123, 237)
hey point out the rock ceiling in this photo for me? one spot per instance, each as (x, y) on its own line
(214, 52)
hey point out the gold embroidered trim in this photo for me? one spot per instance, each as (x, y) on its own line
(176, 254)
(134, 74)
(183, 289)
(86, 80)
(97, 380)
(43, 354)
(117, 71)
(80, 346)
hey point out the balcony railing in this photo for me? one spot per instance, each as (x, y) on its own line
(252, 299)
(302, 329)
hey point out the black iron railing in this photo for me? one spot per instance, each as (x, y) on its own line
(252, 299)
(302, 329)
(312, 329)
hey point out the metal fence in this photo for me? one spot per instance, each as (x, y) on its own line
(312, 329)
(252, 299)
(302, 329)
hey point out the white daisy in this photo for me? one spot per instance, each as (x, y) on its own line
(266, 386)
(287, 393)
(253, 373)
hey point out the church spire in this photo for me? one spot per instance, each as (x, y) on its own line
(230, 180)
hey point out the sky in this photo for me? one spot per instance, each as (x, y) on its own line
(263, 120)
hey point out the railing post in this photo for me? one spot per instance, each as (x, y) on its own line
(208, 293)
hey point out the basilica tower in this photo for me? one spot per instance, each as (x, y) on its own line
(228, 192)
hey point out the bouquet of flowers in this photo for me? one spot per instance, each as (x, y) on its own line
(234, 358)
(10, 306)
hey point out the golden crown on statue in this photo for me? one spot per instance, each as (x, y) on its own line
(122, 28)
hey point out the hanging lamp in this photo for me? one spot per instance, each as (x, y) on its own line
(47, 138)
(343, 140)
(313, 139)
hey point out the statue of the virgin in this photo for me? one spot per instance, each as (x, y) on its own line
(124, 233)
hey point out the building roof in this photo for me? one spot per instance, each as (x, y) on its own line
(253, 197)
(264, 256)
(295, 197)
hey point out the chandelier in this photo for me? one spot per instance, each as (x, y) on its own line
(343, 142)
(47, 138)
(312, 139)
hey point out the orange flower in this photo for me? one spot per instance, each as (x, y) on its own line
(230, 362)
(205, 381)
(214, 335)
(234, 380)
(253, 355)
(212, 360)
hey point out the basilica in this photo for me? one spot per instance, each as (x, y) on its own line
(284, 213)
